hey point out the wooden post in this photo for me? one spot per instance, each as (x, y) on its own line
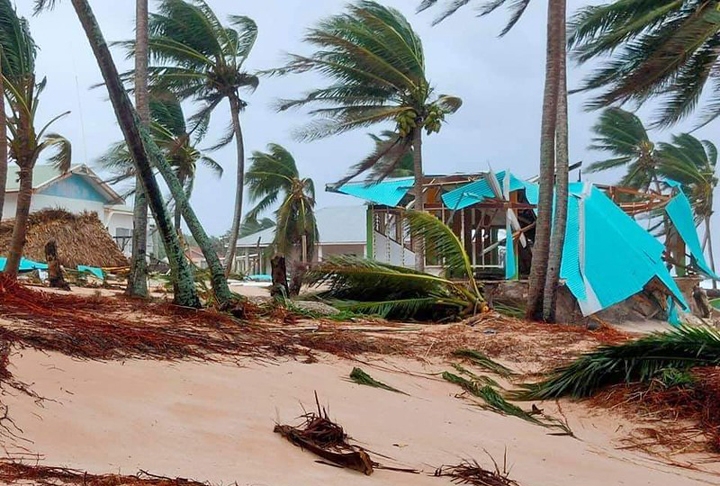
(55, 273)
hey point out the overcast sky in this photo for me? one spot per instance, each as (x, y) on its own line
(499, 80)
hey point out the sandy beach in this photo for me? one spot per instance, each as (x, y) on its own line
(214, 422)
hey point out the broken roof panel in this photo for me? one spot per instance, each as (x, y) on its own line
(388, 192)
(477, 191)
(681, 214)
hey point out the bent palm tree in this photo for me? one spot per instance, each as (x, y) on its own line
(666, 49)
(26, 143)
(623, 135)
(549, 234)
(692, 162)
(391, 157)
(169, 132)
(370, 287)
(198, 57)
(377, 66)
(146, 154)
(272, 177)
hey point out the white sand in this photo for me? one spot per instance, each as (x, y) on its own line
(214, 422)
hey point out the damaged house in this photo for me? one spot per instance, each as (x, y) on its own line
(612, 261)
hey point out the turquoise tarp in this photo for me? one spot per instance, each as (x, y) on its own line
(93, 270)
(681, 214)
(25, 265)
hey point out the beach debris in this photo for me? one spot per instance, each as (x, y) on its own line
(55, 271)
(328, 440)
(471, 472)
(361, 378)
(479, 359)
(482, 379)
(13, 472)
(495, 402)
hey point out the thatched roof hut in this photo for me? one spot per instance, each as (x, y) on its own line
(81, 239)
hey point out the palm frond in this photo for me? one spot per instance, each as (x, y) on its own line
(635, 361)
(357, 375)
(62, 159)
(479, 359)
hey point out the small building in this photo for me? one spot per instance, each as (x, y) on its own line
(608, 257)
(342, 231)
(78, 191)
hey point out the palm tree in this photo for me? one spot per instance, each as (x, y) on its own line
(198, 57)
(3, 134)
(169, 132)
(27, 143)
(137, 279)
(666, 49)
(692, 162)
(549, 235)
(390, 158)
(623, 135)
(272, 177)
(146, 155)
(377, 66)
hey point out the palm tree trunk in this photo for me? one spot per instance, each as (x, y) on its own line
(240, 184)
(557, 238)
(418, 244)
(3, 142)
(22, 215)
(137, 280)
(138, 141)
(541, 248)
(178, 218)
(708, 236)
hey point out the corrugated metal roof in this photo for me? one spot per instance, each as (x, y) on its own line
(681, 214)
(388, 192)
(340, 225)
(617, 257)
(476, 192)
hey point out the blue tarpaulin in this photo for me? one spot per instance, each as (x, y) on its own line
(93, 270)
(25, 265)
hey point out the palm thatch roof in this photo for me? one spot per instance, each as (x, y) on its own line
(81, 239)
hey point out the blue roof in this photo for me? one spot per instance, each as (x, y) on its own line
(607, 256)
(475, 192)
(388, 192)
(680, 212)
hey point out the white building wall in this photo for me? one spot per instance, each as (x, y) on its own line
(388, 251)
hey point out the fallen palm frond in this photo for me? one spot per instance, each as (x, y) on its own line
(370, 287)
(361, 378)
(364, 286)
(12, 472)
(634, 361)
(326, 439)
(485, 380)
(492, 399)
(479, 359)
(471, 472)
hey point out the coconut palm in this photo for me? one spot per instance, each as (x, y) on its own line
(370, 287)
(273, 177)
(137, 279)
(623, 136)
(692, 162)
(169, 132)
(146, 155)
(666, 49)
(376, 65)
(549, 233)
(194, 55)
(390, 158)
(27, 142)
(3, 134)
